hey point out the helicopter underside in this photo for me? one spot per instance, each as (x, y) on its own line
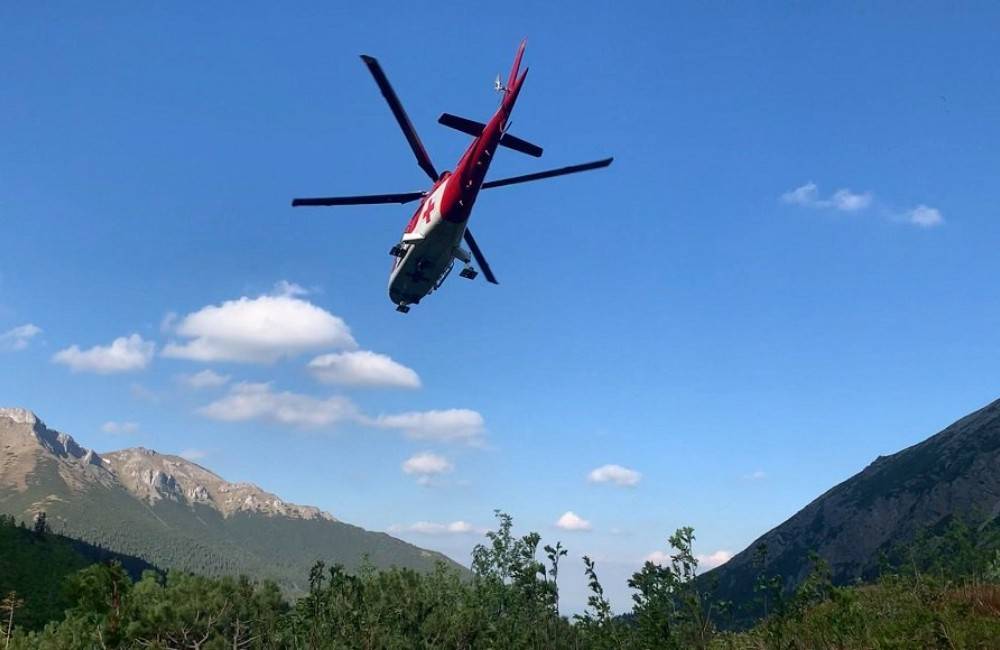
(421, 265)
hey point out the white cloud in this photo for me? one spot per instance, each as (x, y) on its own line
(205, 379)
(658, 557)
(286, 288)
(924, 216)
(426, 463)
(258, 330)
(193, 454)
(844, 199)
(757, 475)
(848, 201)
(713, 560)
(18, 338)
(429, 528)
(572, 521)
(249, 401)
(615, 474)
(705, 562)
(120, 428)
(450, 425)
(803, 195)
(362, 368)
(125, 354)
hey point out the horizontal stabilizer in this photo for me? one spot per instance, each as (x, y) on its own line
(475, 129)
(517, 144)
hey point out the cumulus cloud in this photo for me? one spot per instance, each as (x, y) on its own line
(258, 330)
(247, 401)
(573, 522)
(658, 557)
(193, 454)
(848, 201)
(426, 463)
(120, 428)
(713, 560)
(803, 195)
(257, 401)
(449, 425)
(845, 200)
(615, 474)
(19, 338)
(757, 475)
(430, 528)
(362, 368)
(205, 379)
(924, 216)
(705, 562)
(125, 354)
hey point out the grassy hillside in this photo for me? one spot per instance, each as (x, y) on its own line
(894, 613)
(201, 540)
(35, 565)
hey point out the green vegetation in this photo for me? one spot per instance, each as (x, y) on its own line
(34, 567)
(34, 564)
(946, 595)
(199, 539)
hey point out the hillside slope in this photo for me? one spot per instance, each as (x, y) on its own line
(953, 474)
(176, 514)
(35, 566)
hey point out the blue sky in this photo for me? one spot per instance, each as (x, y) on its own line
(789, 269)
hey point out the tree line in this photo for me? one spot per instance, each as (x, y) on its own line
(945, 595)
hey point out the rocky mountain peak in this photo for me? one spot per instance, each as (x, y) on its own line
(20, 427)
(20, 416)
(145, 473)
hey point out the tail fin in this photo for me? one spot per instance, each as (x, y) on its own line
(517, 66)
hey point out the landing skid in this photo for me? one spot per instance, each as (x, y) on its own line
(403, 309)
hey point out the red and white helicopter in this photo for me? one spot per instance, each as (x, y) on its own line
(433, 238)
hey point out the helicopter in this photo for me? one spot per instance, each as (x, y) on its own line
(432, 240)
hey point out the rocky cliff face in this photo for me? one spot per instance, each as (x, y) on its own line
(147, 475)
(152, 476)
(955, 473)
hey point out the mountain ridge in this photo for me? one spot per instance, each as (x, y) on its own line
(174, 513)
(951, 474)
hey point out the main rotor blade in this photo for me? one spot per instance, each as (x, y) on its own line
(423, 159)
(480, 260)
(359, 200)
(537, 176)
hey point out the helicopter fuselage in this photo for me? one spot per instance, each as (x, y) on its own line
(432, 239)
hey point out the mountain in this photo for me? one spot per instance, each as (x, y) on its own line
(176, 514)
(953, 474)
